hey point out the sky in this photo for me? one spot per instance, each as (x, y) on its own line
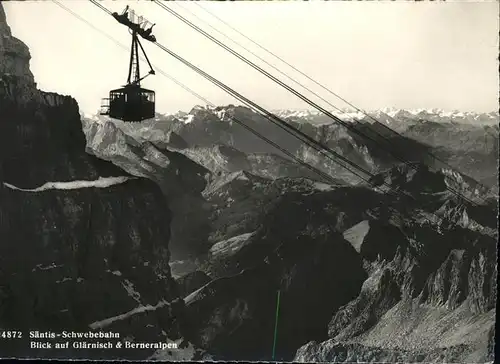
(373, 54)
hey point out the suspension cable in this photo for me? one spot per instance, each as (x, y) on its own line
(96, 3)
(258, 57)
(322, 174)
(302, 97)
(274, 119)
(277, 121)
(364, 112)
(305, 138)
(441, 220)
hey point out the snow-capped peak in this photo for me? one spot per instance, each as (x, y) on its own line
(388, 115)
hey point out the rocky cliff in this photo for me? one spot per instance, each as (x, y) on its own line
(180, 179)
(83, 244)
(429, 295)
(16, 76)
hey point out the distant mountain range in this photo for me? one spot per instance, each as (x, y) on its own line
(392, 115)
(384, 115)
(465, 141)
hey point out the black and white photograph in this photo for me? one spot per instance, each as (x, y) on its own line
(268, 181)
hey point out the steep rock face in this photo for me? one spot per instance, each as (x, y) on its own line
(219, 158)
(74, 257)
(366, 238)
(296, 233)
(42, 141)
(363, 143)
(244, 203)
(171, 139)
(159, 131)
(411, 178)
(378, 294)
(15, 75)
(419, 180)
(334, 352)
(234, 316)
(273, 166)
(470, 147)
(429, 295)
(219, 155)
(468, 276)
(207, 127)
(432, 301)
(181, 179)
(41, 137)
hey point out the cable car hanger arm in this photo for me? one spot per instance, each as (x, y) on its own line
(134, 77)
(151, 70)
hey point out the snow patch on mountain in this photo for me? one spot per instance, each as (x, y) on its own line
(102, 182)
(104, 323)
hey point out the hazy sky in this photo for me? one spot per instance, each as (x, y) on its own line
(374, 54)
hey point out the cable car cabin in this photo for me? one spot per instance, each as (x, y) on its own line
(130, 103)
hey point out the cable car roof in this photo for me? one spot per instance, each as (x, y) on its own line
(128, 89)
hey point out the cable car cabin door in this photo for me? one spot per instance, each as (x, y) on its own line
(132, 104)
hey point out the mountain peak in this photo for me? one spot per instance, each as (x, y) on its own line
(15, 74)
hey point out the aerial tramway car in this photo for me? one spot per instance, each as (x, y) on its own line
(131, 102)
